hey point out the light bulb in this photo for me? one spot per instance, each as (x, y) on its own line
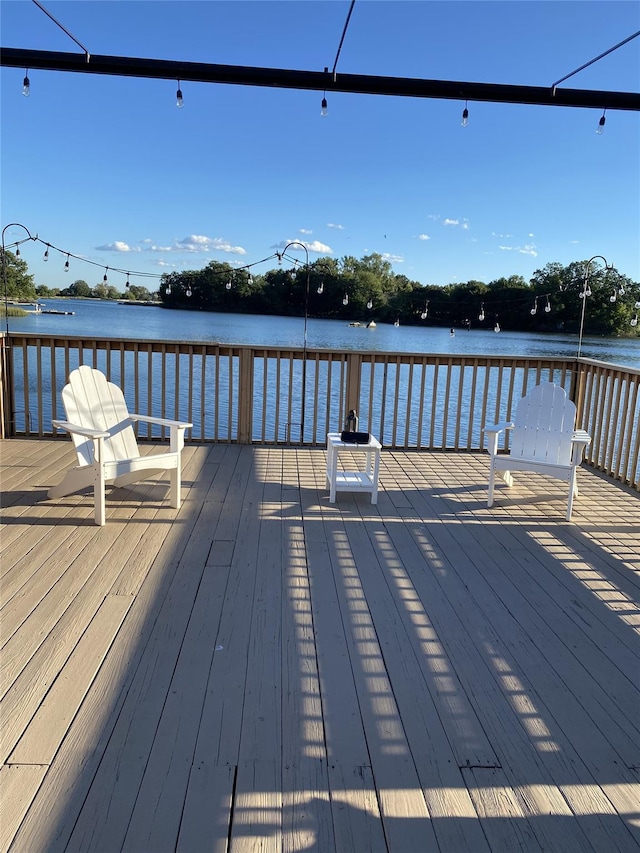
(104, 277)
(601, 123)
(324, 111)
(250, 279)
(634, 320)
(481, 315)
(189, 291)
(370, 304)
(547, 307)
(613, 297)
(179, 101)
(66, 264)
(423, 316)
(127, 284)
(637, 305)
(534, 310)
(18, 252)
(26, 87)
(228, 285)
(345, 300)
(45, 257)
(465, 117)
(621, 290)
(168, 290)
(496, 328)
(321, 287)
(587, 292)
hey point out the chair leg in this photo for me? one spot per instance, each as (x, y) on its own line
(174, 488)
(573, 491)
(492, 477)
(99, 486)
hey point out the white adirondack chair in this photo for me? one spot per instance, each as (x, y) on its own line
(101, 428)
(543, 439)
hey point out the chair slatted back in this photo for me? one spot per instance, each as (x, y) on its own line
(90, 401)
(544, 424)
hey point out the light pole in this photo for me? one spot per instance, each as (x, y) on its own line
(306, 317)
(586, 291)
(4, 266)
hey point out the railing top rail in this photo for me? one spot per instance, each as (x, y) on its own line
(209, 347)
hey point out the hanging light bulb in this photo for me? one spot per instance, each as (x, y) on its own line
(104, 277)
(613, 297)
(425, 312)
(621, 290)
(321, 286)
(249, 279)
(534, 310)
(465, 116)
(188, 291)
(45, 257)
(637, 305)
(345, 299)
(370, 304)
(496, 328)
(547, 307)
(481, 314)
(127, 284)
(324, 112)
(168, 290)
(634, 320)
(17, 251)
(26, 85)
(601, 123)
(179, 100)
(228, 285)
(66, 264)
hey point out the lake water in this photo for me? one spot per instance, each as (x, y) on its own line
(95, 318)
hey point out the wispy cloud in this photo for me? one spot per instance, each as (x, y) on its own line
(305, 231)
(434, 216)
(393, 259)
(117, 246)
(462, 223)
(501, 236)
(423, 237)
(200, 243)
(528, 249)
(451, 222)
(333, 225)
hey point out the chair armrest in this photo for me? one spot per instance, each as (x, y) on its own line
(499, 427)
(147, 419)
(80, 430)
(580, 440)
(581, 437)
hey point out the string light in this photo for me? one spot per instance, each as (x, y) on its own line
(228, 285)
(370, 303)
(26, 85)
(481, 314)
(324, 112)
(321, 286)
(188, 291)
(66, 264)
(465, 116)
(345, 299)
(613, 297)
(45, 257)
(601, 123)
(104, 277)
(496, 328)
(547, 307)
(534, 310)
(425, 312)
(179, 100)
(634, 320)
(127, 285)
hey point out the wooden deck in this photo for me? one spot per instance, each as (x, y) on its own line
(265, 671)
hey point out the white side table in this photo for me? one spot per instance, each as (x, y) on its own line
(363, 480)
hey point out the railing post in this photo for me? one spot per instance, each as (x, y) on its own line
(245, 395)
(354, 380)
(576, 392)
(6, 388)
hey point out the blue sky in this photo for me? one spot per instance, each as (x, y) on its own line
(108, 168)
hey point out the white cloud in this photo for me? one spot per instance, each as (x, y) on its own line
(531, 235)
(423, 237)
(160, 248)
(306, 231)
(116, 246)
(200, 243)
(314, 246)
(451, 222)
(394, 259)
(501, 236)
(465, 226)
(333, 225)
(434, 216)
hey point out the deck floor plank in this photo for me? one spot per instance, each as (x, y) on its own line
(264, 670)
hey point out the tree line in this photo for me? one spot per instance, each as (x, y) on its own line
(367, 289)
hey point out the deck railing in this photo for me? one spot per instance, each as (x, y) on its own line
(255, 394)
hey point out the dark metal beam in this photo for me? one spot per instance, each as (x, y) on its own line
(238, 75)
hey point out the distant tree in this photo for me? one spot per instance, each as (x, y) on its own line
(138, 292)
(19, 283)
(78, 288)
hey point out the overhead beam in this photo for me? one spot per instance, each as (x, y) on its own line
(319, 81)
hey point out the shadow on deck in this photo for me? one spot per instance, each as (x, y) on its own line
(264, 670)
